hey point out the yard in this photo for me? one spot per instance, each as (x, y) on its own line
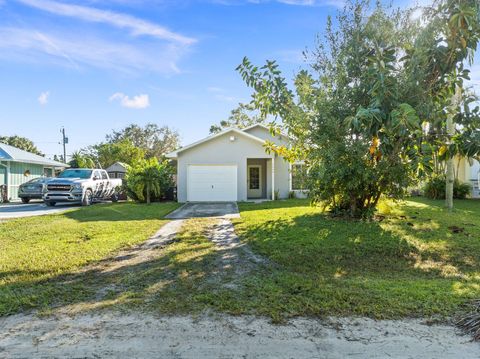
(416, 260)
(35, 252)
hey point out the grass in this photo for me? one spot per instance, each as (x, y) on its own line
(416, 261)
(411, 264)
(36, 251)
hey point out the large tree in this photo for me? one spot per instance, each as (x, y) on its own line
(353, 117)
(106, 154)
(242, 116)
(22, 143)
(437, 63)
(154, 140)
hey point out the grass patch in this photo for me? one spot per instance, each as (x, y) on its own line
(35, 252)
(418, 261)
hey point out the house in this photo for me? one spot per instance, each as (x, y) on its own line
(469, 172)
(117, 170)
(18, 166)
(233, 166)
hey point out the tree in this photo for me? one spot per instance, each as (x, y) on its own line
(81, 160)
(22, 143)
(148, 177)
(437, 62)
(106, 154)
(155, 141)
(242, 116)
(353, 119)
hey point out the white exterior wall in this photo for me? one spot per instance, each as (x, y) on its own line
(220, 151)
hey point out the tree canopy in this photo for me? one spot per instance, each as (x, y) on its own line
(242, 116)
(154, 140)
(22, 143)
(356, 116)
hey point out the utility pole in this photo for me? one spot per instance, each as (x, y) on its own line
(64, 142)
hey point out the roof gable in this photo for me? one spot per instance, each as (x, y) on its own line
(174, 154)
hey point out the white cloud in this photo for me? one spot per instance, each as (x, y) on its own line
(43, 98)
(137, 102)
(73, 49)
(220, 94)
(136, 25)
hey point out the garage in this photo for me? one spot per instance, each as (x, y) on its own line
(211, 183)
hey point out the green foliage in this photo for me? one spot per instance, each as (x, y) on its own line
(81, 160)
(435, 188)
(153, 140)
(357, 117)
(351, 120)
(123, 151)
(22, 143)
(242, 116)
(148, 178)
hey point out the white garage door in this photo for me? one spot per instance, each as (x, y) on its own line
(211, 183)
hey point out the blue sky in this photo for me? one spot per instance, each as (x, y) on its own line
(99, 65)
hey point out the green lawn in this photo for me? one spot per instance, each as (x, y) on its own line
(36, 251)
(417, 261)
(409, 264)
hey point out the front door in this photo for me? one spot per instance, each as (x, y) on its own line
(254, 182)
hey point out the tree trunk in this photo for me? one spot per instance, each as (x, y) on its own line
(450, 132)
(148, 192)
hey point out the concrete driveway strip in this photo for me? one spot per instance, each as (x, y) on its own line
(9, 211)
(206, 210)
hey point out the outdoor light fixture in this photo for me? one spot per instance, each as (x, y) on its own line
(232, 138)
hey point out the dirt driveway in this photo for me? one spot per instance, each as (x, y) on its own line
(112, 335)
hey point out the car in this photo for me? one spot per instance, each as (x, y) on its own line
(81, 185)
(32, 189)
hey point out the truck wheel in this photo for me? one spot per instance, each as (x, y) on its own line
(25, 199)
(50, 204)
(115, 197)
(87, 198)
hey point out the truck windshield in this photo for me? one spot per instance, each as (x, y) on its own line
(75, 174)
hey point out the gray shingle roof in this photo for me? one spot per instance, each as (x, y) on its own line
(10, 153)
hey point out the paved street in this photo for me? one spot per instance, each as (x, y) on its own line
(16, 210)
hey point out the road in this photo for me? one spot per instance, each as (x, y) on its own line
(18, 210)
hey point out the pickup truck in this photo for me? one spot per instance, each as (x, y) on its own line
(81, 185)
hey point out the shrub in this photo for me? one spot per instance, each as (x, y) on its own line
(435, 188)
(148, 180)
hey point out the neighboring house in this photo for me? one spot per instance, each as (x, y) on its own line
(117, 170)
(469, 172)
(18, 166)
(234, 166)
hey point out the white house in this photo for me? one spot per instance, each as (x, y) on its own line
(234, 166)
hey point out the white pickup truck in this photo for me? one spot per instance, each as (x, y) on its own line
(81, 185)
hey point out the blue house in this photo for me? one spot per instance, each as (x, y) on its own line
(18, 166)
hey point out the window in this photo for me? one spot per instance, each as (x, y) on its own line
(299, 176)
(104, 175)
(75, 173)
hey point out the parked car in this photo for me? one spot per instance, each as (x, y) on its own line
(81, 185)
(32, 189)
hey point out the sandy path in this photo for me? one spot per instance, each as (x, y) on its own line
(144, 336)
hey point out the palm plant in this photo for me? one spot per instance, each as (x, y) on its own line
(147, 177)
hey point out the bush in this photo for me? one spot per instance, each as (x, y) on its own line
(435, 188)
(148, 180)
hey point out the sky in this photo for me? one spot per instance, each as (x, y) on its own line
(97, 65)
